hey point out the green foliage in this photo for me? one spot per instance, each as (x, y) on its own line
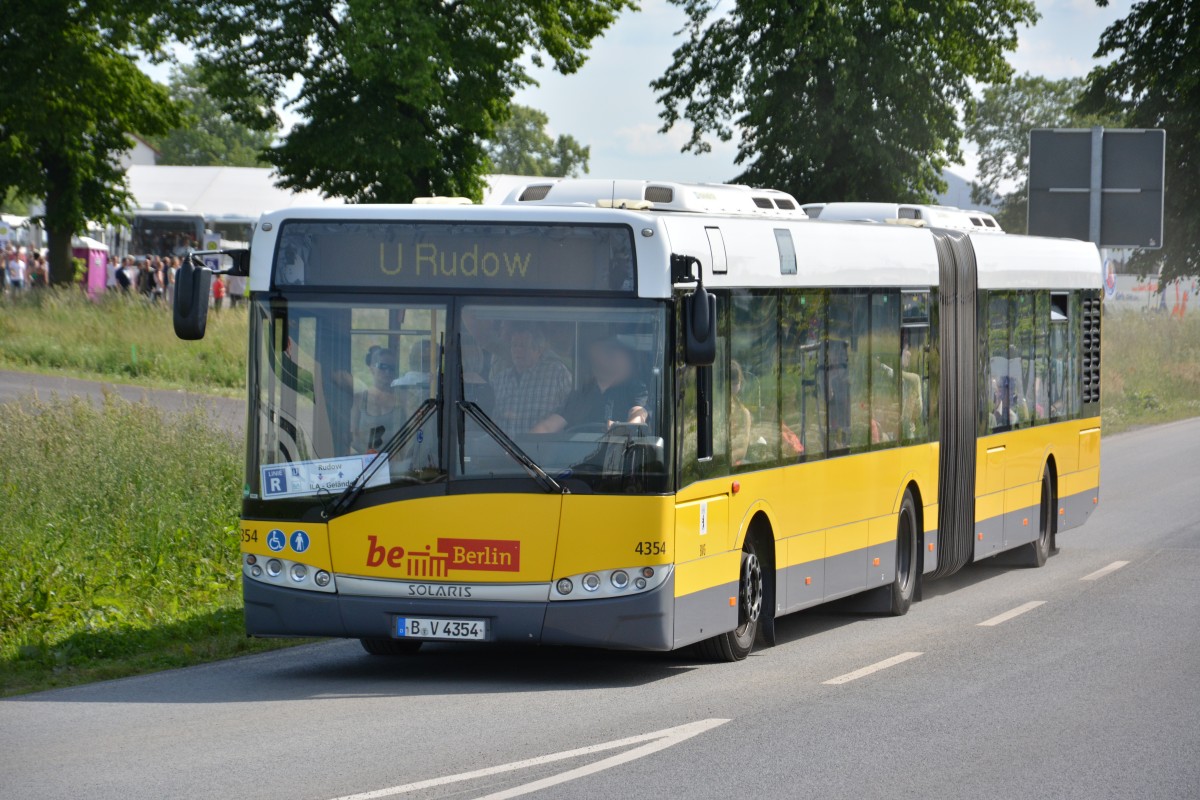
(121, 338)
(397, 98)
(208, 136)
(521, 146)
(1151, 369)
(118, 540)
(1000, 124)
(840, 99)
(70, 92)
(1154, 82)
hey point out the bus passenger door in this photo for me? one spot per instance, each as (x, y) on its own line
(706, 566)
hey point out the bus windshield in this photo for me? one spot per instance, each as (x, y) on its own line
(572, 390)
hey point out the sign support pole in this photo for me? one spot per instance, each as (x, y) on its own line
(1095, 188)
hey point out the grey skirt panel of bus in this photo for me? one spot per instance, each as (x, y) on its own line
(958, 341)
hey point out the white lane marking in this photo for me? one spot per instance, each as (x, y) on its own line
(658, 740)
(1100, 573)
(1016, 612)
(865, 671)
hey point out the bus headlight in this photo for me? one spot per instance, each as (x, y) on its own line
(610, 583)
(274, 568)
(299, 572)
(321, 578)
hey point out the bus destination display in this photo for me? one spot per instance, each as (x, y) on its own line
(452, 256)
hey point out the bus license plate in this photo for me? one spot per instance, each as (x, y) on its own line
(455, 629)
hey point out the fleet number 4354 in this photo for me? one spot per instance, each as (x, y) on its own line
(651, 548)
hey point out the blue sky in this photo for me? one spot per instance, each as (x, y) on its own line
(609, 105)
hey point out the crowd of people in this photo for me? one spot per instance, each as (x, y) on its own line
(24, 269)
(151, 277)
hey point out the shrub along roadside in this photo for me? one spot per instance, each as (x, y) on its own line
(118, 554)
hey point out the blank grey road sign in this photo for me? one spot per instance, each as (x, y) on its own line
(1104, 186)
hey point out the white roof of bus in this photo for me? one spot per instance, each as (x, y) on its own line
(828, 254)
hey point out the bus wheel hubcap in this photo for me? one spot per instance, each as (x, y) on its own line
(752, 588)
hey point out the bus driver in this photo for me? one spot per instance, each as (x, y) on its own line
(614, 395)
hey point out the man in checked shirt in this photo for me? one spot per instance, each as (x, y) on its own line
(536, 385)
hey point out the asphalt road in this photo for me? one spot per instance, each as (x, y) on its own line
(226, 412)
(1092, 693)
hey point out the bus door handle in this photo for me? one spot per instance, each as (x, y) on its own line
(991, 451)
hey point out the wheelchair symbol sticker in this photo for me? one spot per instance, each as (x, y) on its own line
(276, 540)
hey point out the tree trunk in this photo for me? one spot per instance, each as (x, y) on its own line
(58, 235)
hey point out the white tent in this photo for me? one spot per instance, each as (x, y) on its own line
(244, 191)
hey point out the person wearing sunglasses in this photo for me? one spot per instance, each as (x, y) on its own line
(377, 411)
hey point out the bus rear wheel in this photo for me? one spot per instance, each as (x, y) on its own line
(390, 647)
(908, 558)
(737, 643)
(1036, 552)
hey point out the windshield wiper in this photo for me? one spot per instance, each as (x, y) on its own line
(512, 448)
(399, 439)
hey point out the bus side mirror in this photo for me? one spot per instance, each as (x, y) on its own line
(192, 287)
(699, 313)
(700, 318)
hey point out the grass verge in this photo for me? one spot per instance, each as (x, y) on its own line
(123, 339)
(1150, 373)
(119, 552)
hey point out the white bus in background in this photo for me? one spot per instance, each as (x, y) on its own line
(236, 231)
(946, 217)
(166, 229)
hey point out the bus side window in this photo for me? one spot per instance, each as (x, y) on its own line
(1060, 357)
(998, 391)
(885, 367)
(1020, 362)
(848, 375)
(915, 361)
(1041, 357)
(804, 398)
(754, 430)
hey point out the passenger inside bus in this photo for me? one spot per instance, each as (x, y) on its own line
(535, 386)
(741, 421)
(377, 411)
(614, 395)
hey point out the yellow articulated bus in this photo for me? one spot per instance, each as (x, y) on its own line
(645, 415)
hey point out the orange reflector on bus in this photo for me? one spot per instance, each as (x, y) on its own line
(732, 601)
(1095, 501)
(1025, 522)
(1062, 512)
(736, 487)
(981, 537)
(931, 547)
(875, 563)
(808, 581)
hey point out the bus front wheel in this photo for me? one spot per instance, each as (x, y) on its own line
(390, 647)
(737, 643)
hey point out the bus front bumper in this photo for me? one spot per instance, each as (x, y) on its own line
(636, 622)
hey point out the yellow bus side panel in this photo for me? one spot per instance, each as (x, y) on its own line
(611, 532)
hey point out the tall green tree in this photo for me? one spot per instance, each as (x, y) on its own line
(1000, 124)
(521, 146)
(1154, 82)
(208, 137)
(837, 99)
(70, 93)
(397, 98)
